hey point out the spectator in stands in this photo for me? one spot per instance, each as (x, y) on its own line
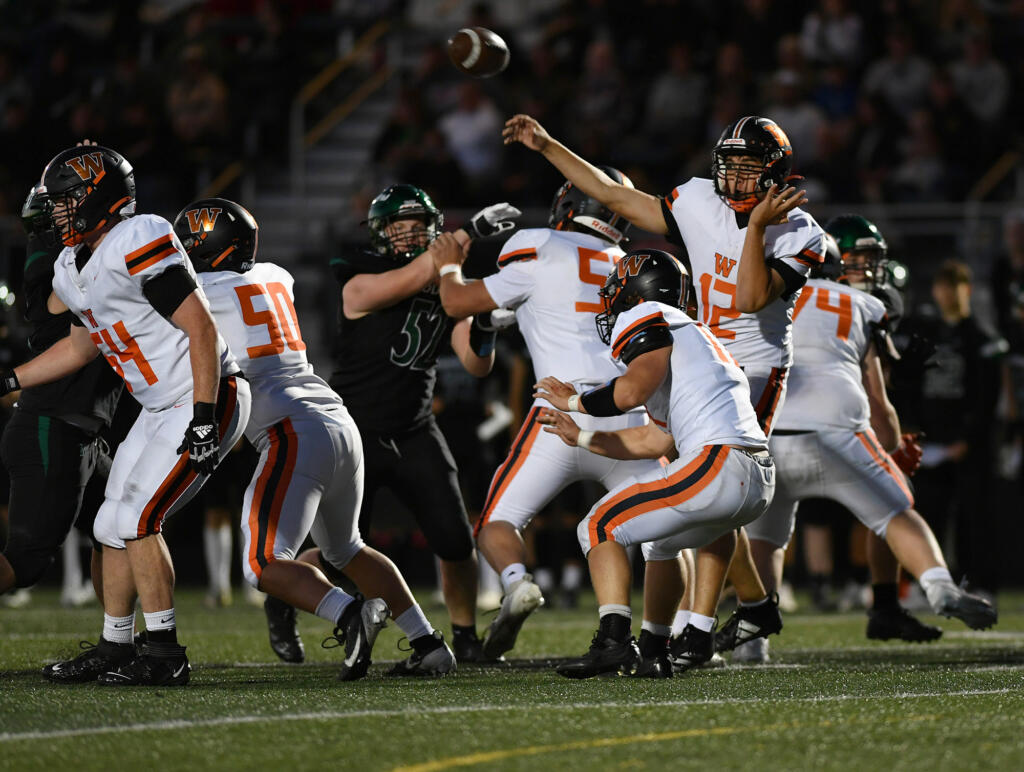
(473, 134)
(597, 109)
(833, 34)
(901, 77)
(197, 102)
(677, 99)
(801, 117)
(921, 175)
(981, 81)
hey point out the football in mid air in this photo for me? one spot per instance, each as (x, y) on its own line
(478, 52)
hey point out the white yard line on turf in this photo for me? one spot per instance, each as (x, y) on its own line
(161, 726)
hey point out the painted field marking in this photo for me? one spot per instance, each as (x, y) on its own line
(160, 726)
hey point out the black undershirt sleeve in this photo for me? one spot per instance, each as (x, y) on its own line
(168, 290)
(792, 278)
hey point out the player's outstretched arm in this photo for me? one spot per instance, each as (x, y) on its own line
(460, 299)
(641, 209)
(365, 293)
(757, 285)
(475, 352)
(66, 356)
(884, 421)
(626, 444)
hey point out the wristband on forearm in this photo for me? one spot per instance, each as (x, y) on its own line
(584, 439)
(450, 268)
(481, 339)
(574, 404)
(203, 411)
(8, 382)
(601, 402)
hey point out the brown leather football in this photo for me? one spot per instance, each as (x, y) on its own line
(478, 52)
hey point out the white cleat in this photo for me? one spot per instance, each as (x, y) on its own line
(753, 652)
(430, 657)
(522, 599)
(948, 600)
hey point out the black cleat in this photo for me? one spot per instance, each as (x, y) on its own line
(654, 666)
(430, 657)
(284, 631)
(157, 664)
(606, 655)
(896, 622)
(692, 648)
(748, 623)
(94, 660)
(357, 630)
(468, 647)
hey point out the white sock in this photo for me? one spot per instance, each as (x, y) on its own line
(656, 629)
(160, 620)
(933, 582)
(217, 549)
(333, 604)
(224, 564)
(72, 564)
(572, 575)
(701, 622)
(413, 623)
(681, 620)
(512, 574)
(615, 608)
(545, 579)
(489, 579)
(119, 629)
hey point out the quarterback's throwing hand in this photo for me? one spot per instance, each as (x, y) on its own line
(523, 128)
(554, 391)
(776, 205)
(560, 424)
(201, 439)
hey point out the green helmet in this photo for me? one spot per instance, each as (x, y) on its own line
(402, 202)
(863, 248)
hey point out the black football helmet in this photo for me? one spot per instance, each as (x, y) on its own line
(218, 235)
(832, 267)
(37, 219)
(572, 206)
(86, 188)
(765, 141)
(402, 202)
(643, 274)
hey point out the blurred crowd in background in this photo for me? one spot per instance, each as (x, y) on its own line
(886, 102)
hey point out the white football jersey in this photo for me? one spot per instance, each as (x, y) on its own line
(551, 278)
(144, 348)
(714, 241)
(705, 399)
(255, 312)
(831, 335)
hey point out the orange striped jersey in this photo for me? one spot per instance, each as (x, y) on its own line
(705, 400)
(713, 235)
(255, 312)
(143, 347)
(551, 278)
(831, 335)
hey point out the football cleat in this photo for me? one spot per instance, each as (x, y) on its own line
(606, 655)
(522, 599)
(754, 652)
(748, 623)
(284, 631)
(887, 623)
(656, 666)
(468, 647)
(94, 660)
(717, 661)
(430, 657)
(156, 664)
(948, 600)
(357, 630)
(692, 648)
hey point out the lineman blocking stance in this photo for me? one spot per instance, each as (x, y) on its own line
(721, 479)
(309, 478)
(135, 297)
(839, 429)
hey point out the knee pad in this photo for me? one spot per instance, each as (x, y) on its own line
(333, 560)
(104, 529)
(662, 549)
(583, 535)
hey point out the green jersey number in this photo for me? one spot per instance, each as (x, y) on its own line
(423, 328)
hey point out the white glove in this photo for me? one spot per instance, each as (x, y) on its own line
(493, 220)
(502, 318)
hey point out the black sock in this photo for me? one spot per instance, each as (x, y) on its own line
(615, 626)
(460, 630)
(885, 596)
(651, 644)
(426, 643)
(346, 615)
(819, 581)
(169, 635)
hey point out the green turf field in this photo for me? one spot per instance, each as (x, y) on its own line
(830, 700)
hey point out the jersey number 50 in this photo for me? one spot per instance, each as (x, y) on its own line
(279, 318)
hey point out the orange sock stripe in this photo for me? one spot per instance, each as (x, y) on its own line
(641, 498)
(503, 476)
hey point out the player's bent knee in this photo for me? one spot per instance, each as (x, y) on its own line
(659, 550)
(339, 558)
(29, 565)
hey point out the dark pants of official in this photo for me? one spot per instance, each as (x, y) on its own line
(50, 464)
(419, 469)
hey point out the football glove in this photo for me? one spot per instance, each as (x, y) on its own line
(8, 382)
(201, 439)
(492, 220)
(908, 455)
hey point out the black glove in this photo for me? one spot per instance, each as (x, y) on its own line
(201, 439)
(8, 382)
(493, 220)
(482, 334)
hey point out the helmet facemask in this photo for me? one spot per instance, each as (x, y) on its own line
(403, 237)
(741, 179)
